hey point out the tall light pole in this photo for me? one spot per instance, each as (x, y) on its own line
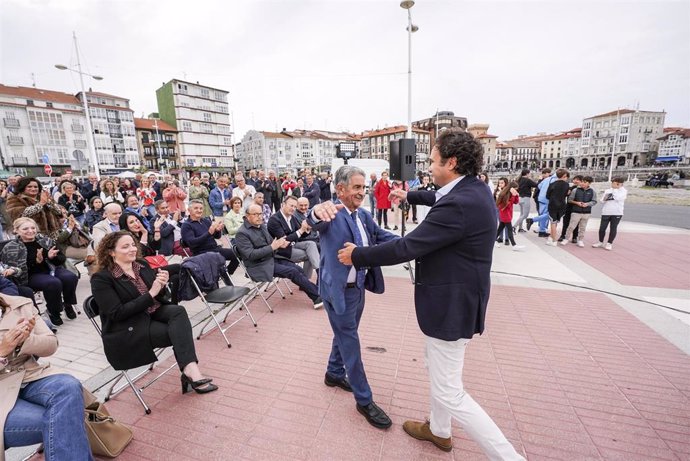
(615, 142)
(160, 152)
(90, 141)
(407, 5)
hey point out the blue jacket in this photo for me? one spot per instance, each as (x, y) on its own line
(543, 186)
(453, 249)
(216, 199)
(313, 193)
(333, 274)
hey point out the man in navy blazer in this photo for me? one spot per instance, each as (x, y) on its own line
(342, 287)
(453, 250)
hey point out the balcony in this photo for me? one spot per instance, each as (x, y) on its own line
(11, 122)
(17, 161)
(170, 142)
(80, 144)
(116, 135)
(15, 140)
(77, 128)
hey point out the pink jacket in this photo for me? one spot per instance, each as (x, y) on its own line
(175, 197)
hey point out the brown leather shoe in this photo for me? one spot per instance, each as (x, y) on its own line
(421, 431)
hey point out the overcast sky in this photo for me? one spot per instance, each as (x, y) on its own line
(522, 66)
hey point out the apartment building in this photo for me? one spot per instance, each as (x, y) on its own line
(157, 142)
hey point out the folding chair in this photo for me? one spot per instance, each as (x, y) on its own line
(92, 311)
(259, 288)
(231, 298)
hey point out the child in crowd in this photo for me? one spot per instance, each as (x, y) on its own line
(611, 212)
(582, 200)
(557, 194)
(577, 179)
(507, 198)
(500, 187)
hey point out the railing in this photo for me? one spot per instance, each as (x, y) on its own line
(77, 128)
(170, 142)
(116, 135)
(15, 140)
(11, 122)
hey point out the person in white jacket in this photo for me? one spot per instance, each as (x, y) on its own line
(612, 212)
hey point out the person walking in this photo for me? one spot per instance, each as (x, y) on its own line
(506, 199)
(525, 186)
(611, 212)
(456, 238)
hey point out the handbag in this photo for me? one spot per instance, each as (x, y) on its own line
(107, 437)
(78, 239)
(156, 261)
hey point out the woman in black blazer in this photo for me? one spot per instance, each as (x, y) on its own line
(136, 317)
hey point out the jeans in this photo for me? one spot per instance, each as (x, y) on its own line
(543, 218)
(525, 205)
(372, 203)
(61, 286)
(614, 220)
(50, 410)
(445, 361)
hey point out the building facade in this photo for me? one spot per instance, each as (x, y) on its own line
(42, 127)
(480, 131)
(628, 136)
(375, 144)
(200, 114)
(438, 122)
(157, 142)
(561, 150)
(114, 136)
(674, 147)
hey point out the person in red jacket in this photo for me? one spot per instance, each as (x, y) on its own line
(381, 191)
(506, 199)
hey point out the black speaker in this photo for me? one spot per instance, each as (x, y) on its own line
(403, 159)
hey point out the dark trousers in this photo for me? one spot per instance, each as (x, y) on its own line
(170, 326)
(508, 230)
(276, 204)
(346, 354)
(607, 220)
(174, 280)
(288, 270)
(414, 212)
(382, 213)
(61, 286)
(566, 223)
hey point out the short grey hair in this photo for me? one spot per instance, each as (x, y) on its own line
(346, 172)
(196, 201)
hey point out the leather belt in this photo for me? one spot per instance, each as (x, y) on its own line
(351, 285)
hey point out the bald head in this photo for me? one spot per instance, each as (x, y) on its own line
(303, 205)
(254, 215)
(112, 211)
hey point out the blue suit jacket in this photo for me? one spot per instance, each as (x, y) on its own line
(333, 274)
(216, 199)
(453, 249)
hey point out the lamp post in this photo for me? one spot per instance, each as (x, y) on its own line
(160, 152)
(89, 139)
(411, 28)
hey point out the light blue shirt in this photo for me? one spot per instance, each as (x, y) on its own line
(447, 188)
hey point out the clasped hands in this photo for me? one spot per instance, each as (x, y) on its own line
(16, 335)
(159, 283)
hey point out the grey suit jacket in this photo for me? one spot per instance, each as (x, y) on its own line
(254, 246)
(100, 230)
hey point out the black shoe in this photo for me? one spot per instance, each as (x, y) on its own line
(386, 227)
(560, 239)
(543, 234)
(342, 383)
(69, 311)
(318, 303)
(203, 386)
(395, 227)
(375, 416)
(574, 240)
(530, 221)
(414, 221)
(521, 230)
(499, 240)
(55, 319)
(506, 242)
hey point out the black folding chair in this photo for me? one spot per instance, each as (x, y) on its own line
(92, 311)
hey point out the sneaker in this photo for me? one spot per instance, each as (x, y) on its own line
(395, 227)
(518, 247)
(55, 320)
(530, 221)
(69, 311)
(386, 227)
(498, 245)
(574, 240)
(506, 242)
(563, 242)
(580, 244)
(598, 245)
(551, 242)
(543, 234)
(318, 303)
(560, 239)
(608, 246)
(521, 230)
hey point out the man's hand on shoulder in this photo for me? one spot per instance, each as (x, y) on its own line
(326, 211)
(345, 253)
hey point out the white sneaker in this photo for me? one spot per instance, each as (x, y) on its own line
(608, 246)
(519, 248)
(551, 242)
(580, 243)
(498, 245)
(564, 242)
(598, 245)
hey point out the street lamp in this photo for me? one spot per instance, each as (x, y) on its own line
(411, 28)
(89, 138)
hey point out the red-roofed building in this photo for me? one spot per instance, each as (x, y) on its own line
(628, 136)
(480, 131)
(674, 147)
(375, 143)
(42, 127)
(157, 142)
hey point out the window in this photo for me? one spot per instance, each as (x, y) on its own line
(190, 162)
(625, 120)
(186, 125)
(623, 139)
(206, 127)
(183, 89)
(219, 96)
(207, 117)
(223, 151)
(49, 104)
(204, 93)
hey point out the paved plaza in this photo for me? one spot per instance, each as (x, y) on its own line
(567, 370)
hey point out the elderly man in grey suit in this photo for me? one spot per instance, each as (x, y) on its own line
(259, 250)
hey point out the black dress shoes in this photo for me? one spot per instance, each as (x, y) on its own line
(375, 416)
(342, 383)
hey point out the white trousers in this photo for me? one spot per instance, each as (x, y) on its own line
(444, 360)
(306, 251)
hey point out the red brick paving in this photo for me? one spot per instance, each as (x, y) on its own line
(645, 260)
(566, 375)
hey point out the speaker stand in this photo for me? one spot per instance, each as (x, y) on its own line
(408, 265)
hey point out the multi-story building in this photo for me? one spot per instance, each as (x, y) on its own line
(289, 150)
(42, 127)
(375, 143)
(488, 141)
(628, 136)
(112, 122)
(561, 150)
(674, 147)
(157, 142)
(438, 122)
(200, 114)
